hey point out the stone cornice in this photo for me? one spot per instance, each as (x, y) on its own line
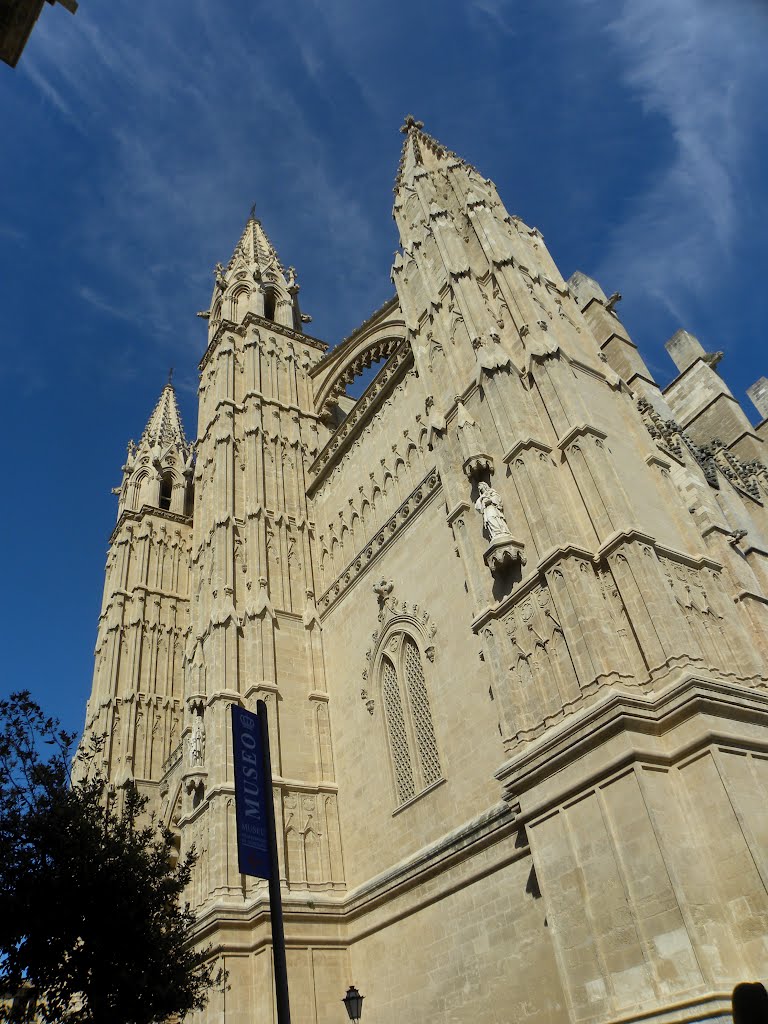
(391, 373)
(488, 828)
(229, 327)
(533, 579)
(242, 409)
(168, 595)
(456, 511)
(468, 845)
(407, 511)
(128, 516)
(285, 406)
(580, 430)
(640, 716)
(551, 558)
(524, 445)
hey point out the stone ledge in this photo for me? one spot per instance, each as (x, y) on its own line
(631, 727)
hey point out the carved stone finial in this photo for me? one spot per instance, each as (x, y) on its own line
(409, 123)
(383, 589)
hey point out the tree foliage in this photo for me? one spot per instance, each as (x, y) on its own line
(91, 914)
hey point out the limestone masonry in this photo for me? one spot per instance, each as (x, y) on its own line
(508, 613)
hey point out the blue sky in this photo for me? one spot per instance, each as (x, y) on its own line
(137, 135)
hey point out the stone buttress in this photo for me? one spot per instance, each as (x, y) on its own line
(623, 620)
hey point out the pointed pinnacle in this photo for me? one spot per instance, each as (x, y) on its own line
(411, 122)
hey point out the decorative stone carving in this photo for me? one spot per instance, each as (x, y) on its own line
(503, 552)
(476, 460)
(504, 549)
(197, 742)
(370, 703)
(490, 506)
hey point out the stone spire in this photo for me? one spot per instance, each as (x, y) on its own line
(164, 426)
(254, 249)
(254, 281)
(157, 470)
(420, 150)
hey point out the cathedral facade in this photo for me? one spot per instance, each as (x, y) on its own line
(507, 611)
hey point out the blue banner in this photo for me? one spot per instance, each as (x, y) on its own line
(252, 790)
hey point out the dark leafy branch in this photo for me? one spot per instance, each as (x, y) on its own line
(93, 927)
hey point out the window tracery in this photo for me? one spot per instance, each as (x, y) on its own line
(408, 717)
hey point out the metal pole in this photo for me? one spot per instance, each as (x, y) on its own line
(275, 900)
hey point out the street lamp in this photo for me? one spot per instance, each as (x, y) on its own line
(354, 1003)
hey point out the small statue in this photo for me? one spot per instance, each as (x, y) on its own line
(219, 272)
(197, 743)
(489, 505)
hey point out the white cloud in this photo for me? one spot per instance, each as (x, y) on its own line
(184, 139)
(699, 64)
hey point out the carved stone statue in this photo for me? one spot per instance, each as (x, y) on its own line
(197, 743)
(489, 505)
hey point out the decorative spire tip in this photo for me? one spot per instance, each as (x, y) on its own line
(411, 122)
(170, 378)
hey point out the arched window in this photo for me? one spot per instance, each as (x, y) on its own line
(270, 301)
(166, 491)
(408, 716)
(139, 492)
(239, 304)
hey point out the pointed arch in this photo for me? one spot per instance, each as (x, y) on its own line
(270, 302)
(365, 512)
(166, 490)
(238, 302)
(401, 681)
(139, 488)
(356, 528)
(312, 857)
(376, 339)
(396, 731)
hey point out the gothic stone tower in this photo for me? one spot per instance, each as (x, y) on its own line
(508, 613)
(138, 683)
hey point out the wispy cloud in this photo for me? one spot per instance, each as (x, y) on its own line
(699, 65)
(492, 15)
(99, 302)
(184, 146)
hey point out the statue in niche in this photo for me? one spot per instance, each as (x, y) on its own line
(490, 506)
(197, 743)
